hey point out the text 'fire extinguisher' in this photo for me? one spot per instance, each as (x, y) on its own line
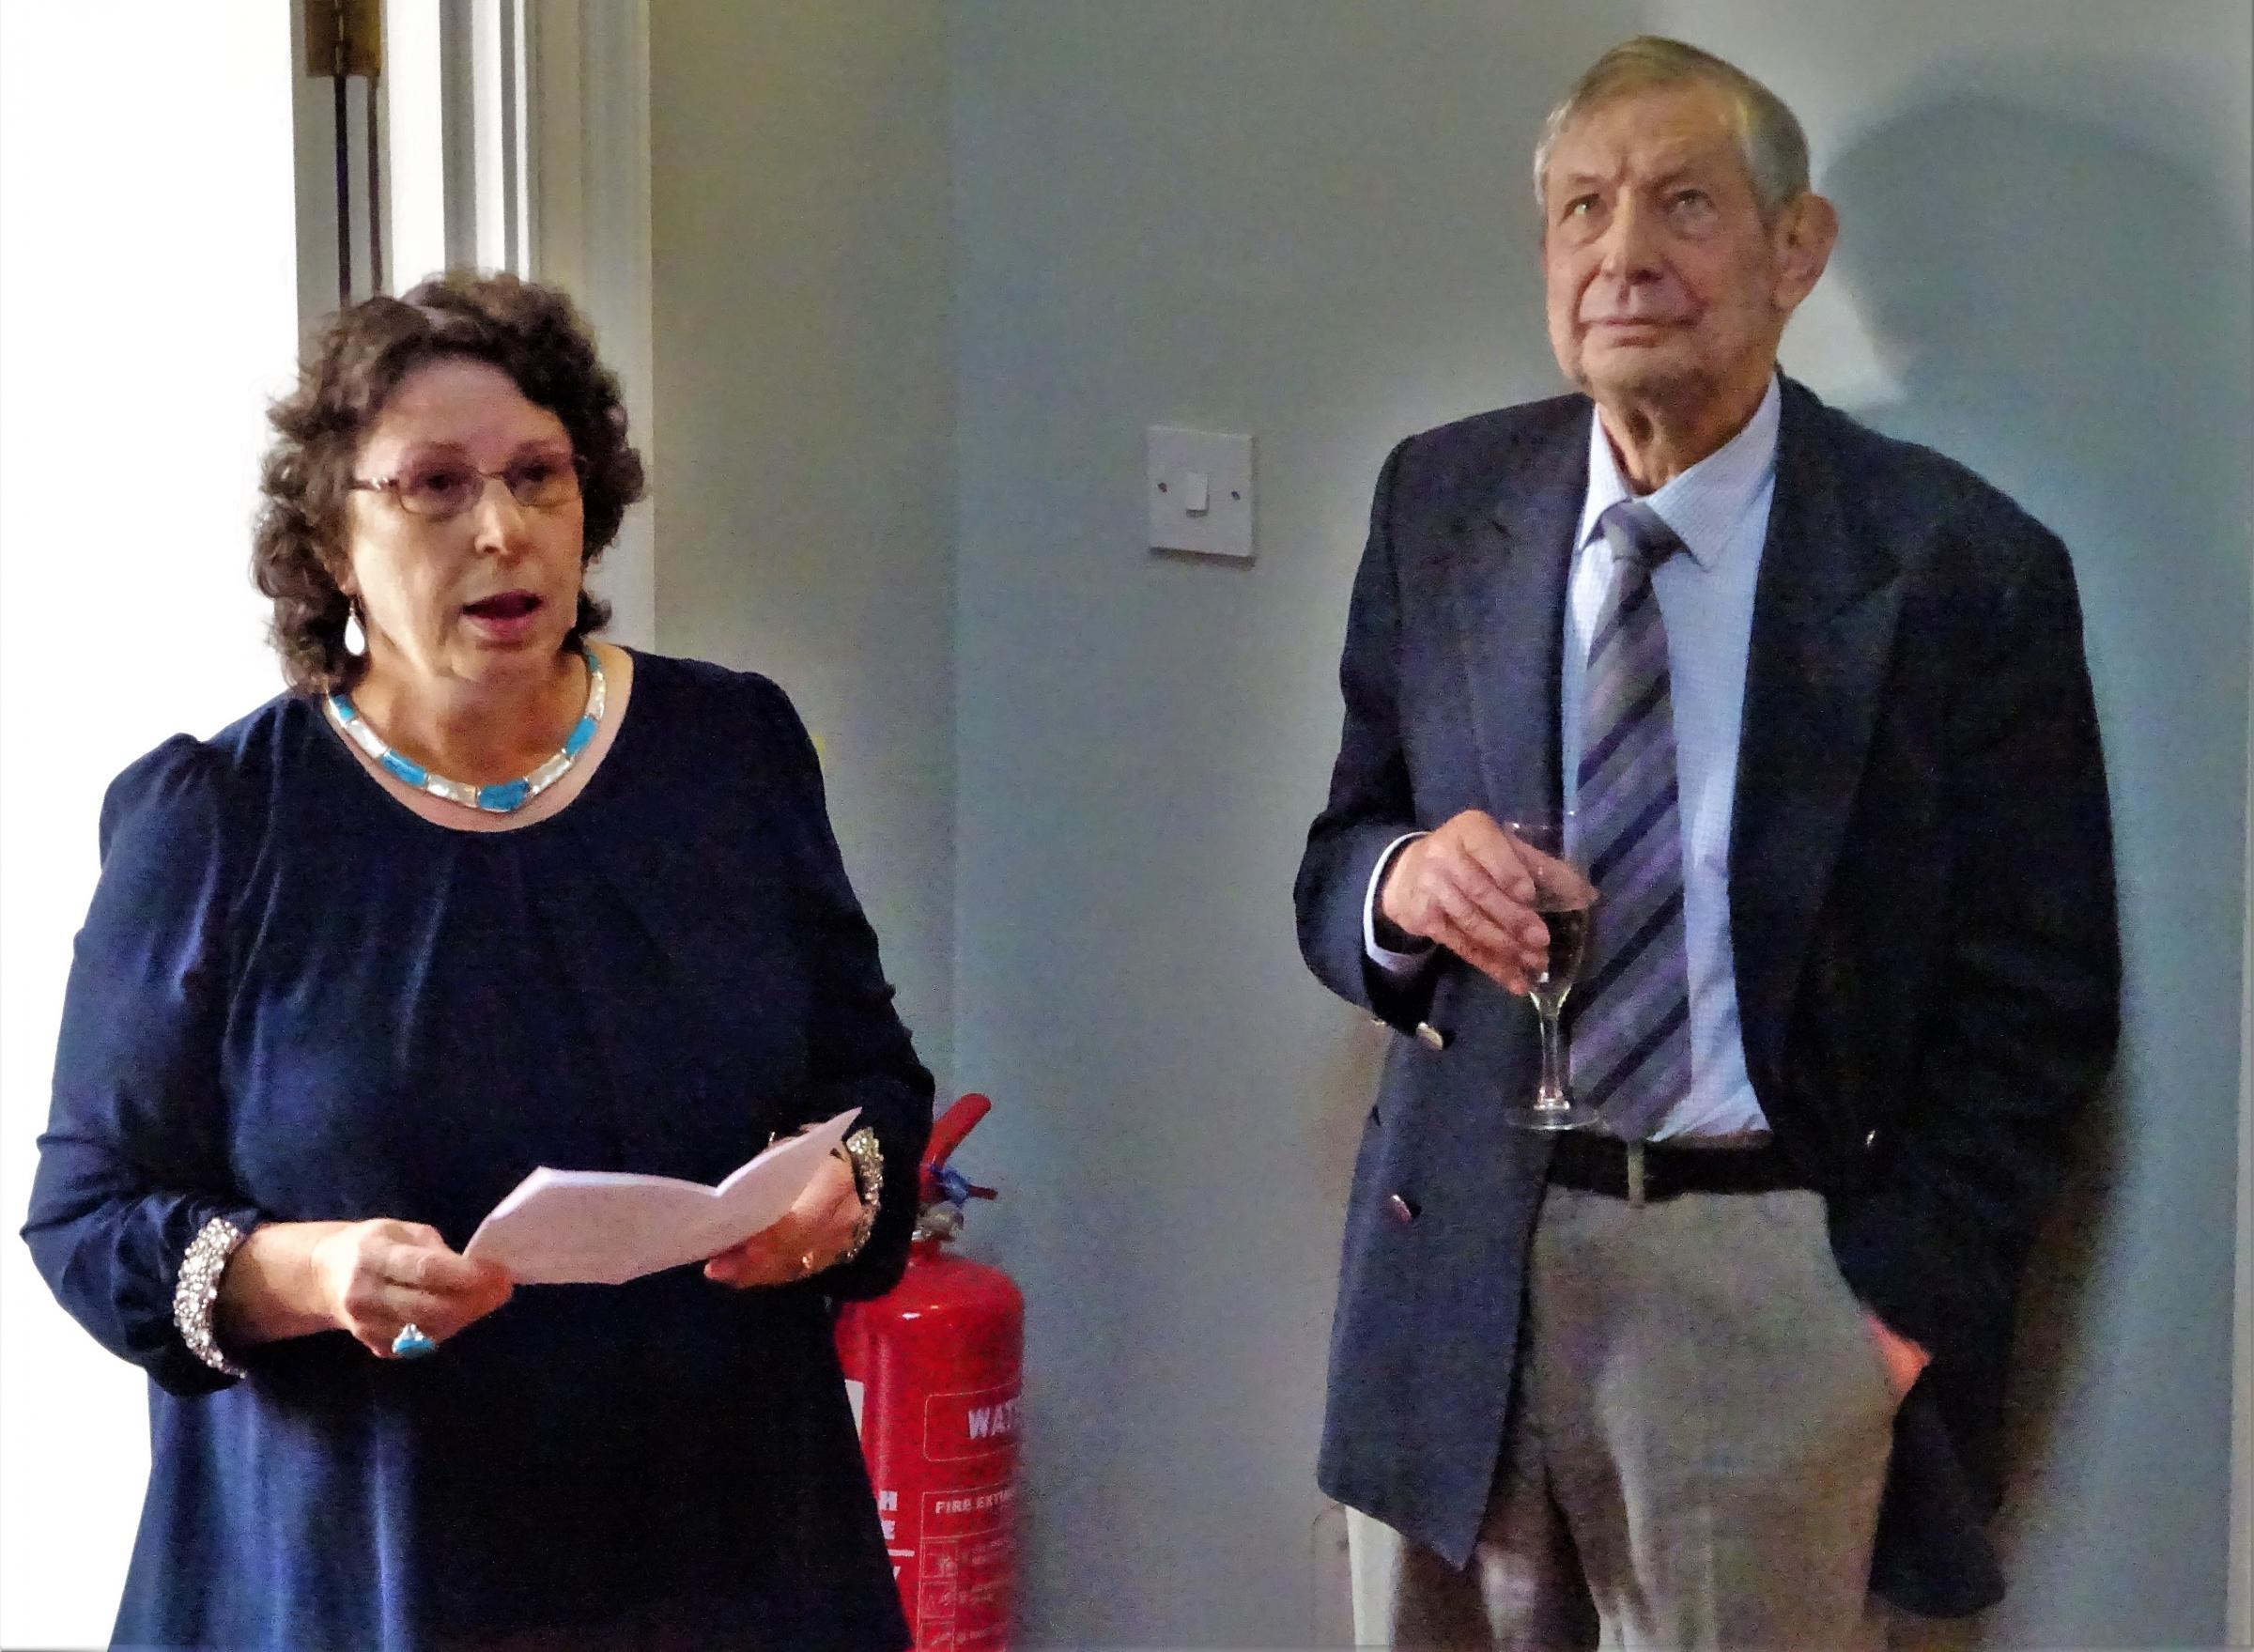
(934, 1367)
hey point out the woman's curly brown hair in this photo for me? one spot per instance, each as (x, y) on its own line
(355, 363)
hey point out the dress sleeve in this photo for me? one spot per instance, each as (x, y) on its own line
(860, 1054)
(134, 1163)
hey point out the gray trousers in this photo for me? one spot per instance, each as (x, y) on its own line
(1698, 1444)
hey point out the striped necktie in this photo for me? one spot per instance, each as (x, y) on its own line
(1630, 1050)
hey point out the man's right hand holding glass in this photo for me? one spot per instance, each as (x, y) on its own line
(1468, 885)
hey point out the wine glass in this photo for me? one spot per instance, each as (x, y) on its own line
(1563, 895)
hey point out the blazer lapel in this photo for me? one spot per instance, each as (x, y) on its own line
(1824, 606)
(1508, 571)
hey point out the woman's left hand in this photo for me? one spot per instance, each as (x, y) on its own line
(811, 1236)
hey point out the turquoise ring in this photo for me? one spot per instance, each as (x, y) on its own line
(410, 1344)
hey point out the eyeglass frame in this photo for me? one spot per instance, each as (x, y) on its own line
(389, 485)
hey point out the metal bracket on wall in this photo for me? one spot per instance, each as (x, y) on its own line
(344, 39)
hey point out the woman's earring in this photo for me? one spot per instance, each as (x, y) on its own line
(356, 639)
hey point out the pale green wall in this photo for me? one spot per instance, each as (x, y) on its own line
(803, 474)
(923, 275)
(2046, 213)
(1306, 219)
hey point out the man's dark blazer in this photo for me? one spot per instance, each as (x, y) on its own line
(1922, 917)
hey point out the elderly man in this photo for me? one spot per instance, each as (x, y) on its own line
(1711, 1368)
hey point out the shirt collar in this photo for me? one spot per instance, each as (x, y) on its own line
(1705, 504)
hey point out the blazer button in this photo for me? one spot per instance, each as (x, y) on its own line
(1400, 1208)
(1431, 1036)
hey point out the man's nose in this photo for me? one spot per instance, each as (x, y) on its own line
(1630, 244)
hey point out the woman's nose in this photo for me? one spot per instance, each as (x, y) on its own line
(498, 522)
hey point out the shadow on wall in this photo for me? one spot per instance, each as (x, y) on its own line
(2066, 311)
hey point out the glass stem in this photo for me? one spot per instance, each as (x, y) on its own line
(1552, 1091)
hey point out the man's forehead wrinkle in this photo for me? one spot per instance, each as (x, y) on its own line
(1655, 170)
(1641, 157)
(1648, 152)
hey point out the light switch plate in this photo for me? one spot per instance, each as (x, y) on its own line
(1185, 467)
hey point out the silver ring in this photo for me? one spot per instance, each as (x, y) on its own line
(411, 1344)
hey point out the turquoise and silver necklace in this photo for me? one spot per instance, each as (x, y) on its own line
(503, 796)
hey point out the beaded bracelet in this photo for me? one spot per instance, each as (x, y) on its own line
(867, 1164)
(193, 1297)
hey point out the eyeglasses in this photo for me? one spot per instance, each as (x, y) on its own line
(437, 488)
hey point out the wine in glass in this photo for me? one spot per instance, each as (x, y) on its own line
(1563, 896)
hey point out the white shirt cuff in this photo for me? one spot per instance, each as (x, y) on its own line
(1400, 966)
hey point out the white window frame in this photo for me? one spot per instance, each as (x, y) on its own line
(457, 164)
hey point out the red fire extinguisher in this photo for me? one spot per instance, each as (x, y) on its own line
(934, 1367)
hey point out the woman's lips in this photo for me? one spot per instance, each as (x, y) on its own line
(506, 617)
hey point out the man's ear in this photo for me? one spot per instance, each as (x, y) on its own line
(1805, 232)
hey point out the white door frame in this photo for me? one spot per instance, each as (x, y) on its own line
(519, 134)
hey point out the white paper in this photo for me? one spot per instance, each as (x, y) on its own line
(605, 1226)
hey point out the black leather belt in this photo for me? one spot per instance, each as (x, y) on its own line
(1643, 1171)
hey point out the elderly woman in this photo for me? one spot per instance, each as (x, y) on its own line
(479, 893)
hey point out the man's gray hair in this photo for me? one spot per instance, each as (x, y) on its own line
(1769, 138)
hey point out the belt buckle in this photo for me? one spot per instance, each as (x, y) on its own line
(1635, 1175)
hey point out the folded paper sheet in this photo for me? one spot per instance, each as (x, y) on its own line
(605, 1227)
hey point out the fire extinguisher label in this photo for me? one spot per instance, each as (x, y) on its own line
(963, 1596)
(970, 1424)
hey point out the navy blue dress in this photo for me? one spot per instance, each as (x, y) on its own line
(296, 1000)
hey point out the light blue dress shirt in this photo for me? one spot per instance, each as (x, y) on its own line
(1720, 509)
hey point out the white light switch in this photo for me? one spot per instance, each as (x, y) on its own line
(1199, 486)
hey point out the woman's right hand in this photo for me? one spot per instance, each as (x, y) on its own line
(369, 1279)
(380, 1275)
